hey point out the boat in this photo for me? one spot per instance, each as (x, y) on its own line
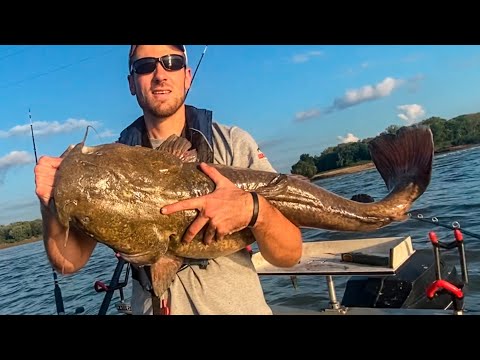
(387, 276)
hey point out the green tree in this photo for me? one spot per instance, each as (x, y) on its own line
(37, 227)
(305, 168)
(392, 129)
(20, 232)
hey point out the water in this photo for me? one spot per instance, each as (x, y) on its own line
(27, 285)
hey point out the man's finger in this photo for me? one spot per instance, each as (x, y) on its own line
(209, 234)
(190, 204)
(44, 193)
(49, 161)
(42, 178)
(194, 228)
(213, 174)
(219, 237)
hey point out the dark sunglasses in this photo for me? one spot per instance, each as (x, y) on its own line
(148, 65)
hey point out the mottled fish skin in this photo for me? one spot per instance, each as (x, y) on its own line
(114, 193)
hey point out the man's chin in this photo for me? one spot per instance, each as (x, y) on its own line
(164, 110)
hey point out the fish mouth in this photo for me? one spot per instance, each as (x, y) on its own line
(89, 149)
(140, 259)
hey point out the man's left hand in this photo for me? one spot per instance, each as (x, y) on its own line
(224, 211)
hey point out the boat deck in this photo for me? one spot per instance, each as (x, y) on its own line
(357, 257)
(287, 310)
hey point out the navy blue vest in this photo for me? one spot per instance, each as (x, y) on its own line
(198, 130)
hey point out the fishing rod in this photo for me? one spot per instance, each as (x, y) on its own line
(196, 69)
(434, 220)
(57, 291)
(457, 243)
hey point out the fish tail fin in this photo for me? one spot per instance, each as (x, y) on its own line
(163, 272)
(404, 160)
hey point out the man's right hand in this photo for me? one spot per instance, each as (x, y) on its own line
(44, 177)
(66, 259)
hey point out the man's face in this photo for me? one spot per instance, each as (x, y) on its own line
(161, 92)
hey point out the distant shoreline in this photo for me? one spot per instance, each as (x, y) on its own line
(363, 167)
(27, 241)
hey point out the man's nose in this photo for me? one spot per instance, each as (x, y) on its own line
(160, 72)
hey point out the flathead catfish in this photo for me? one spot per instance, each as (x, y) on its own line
(114, 193)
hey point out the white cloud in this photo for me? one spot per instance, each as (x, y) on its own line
(107, 134)
(13, 159)
(48, 127)
(304, 57)
(367, 93)
(347, 139)
(410, 113)
(353, 97)
(306, 115)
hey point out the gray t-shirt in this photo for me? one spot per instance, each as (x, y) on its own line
(229, 285)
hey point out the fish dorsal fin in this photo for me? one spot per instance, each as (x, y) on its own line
(180, 147)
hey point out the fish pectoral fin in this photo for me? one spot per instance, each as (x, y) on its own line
(180, 147)
(65, 153)
(163, 272)
(62, 216)
(276, 186)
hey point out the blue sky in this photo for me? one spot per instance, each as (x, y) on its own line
(292, 99)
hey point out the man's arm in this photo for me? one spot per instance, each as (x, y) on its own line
(66, 255)
(278, 239)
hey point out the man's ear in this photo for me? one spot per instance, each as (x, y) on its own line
(188, 78)
(131, 84)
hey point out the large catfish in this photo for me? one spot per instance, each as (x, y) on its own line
(114, 193)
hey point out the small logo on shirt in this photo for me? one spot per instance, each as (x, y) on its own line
(261, 155)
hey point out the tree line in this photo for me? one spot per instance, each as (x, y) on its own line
(461, 130)
(19, 231)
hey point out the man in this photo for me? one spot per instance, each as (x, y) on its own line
(160, 78)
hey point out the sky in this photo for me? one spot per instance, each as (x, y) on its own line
(294, 100)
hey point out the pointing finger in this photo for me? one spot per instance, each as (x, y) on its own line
(190, 204)
(194, 228)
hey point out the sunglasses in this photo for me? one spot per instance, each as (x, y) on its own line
(148, 65)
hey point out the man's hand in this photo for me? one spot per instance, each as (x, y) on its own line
(226, 210)
(44, 177)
